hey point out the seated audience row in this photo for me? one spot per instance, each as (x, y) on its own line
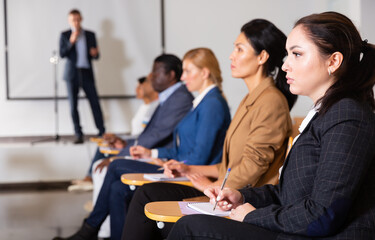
(326, 185)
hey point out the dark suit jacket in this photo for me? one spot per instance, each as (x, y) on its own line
(159, 131)
(68, 50)
(201, 132)
(327, 187)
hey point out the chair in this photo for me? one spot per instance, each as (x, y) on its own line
(295, 125)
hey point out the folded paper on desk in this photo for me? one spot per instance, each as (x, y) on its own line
(207, 208)
(162, 177)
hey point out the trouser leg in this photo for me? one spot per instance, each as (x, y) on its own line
(118, 207)
(88, 85)
(199, 227)
(101, 208)
(73, 89)
(98, 179)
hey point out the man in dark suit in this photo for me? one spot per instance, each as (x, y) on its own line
(175, 101)
(79, 47)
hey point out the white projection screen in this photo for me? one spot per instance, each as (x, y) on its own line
(128, 34)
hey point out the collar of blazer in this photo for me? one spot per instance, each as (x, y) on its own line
(250, 98)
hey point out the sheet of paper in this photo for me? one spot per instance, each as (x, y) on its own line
(162, 177)
(207, 208)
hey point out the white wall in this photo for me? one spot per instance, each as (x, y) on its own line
(211, 23)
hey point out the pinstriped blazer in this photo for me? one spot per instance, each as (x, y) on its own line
(327, 187)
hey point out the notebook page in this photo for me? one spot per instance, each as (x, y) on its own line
(207, 208)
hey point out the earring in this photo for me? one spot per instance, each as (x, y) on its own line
(329, 71)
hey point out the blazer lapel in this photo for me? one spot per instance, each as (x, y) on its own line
(290, 151)
(245, 105)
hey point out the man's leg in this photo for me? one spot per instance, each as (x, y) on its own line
(73, 89)
(121, 195)
(101, 208)
(119, 201)
(98, 179)
(88, 85)
(113, 194)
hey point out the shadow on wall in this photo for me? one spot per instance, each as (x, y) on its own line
(112, 62)
(110, 68)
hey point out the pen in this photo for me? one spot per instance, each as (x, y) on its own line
(135, 143)
(162, 168)
(222, 186)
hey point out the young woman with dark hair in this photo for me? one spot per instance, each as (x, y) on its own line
(327, 185)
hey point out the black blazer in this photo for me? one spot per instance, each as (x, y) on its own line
(159, 130)
(327, 187)
(68, 50)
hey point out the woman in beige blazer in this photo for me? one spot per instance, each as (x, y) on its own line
(256, 141)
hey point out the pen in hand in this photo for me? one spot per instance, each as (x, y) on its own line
(222, 186)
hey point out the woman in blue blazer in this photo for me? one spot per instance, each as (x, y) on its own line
(199, 137)
(327, 183)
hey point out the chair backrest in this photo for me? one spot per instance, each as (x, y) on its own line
(290, 142)
(296, 123)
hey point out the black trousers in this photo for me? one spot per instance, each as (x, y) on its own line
(85, 80)
(137, 226)
(201, 227)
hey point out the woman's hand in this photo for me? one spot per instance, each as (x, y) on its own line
(140, 152)
(227, 198)
(157, 161)
(174, 168)
(199, 181)
(239, 213)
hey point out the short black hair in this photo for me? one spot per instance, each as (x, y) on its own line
(171, 63)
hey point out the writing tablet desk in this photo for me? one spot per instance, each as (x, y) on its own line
(137, 179)
(168, 211)
(110, 151)
(97, 139)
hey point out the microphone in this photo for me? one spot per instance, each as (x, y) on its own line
(54, 59)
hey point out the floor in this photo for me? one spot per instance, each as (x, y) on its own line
(41, 215)
(36, 211)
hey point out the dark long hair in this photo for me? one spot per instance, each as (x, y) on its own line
(333, 32)
(263, 35)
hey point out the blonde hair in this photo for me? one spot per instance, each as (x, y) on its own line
(205, 58)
